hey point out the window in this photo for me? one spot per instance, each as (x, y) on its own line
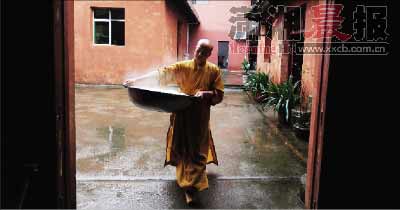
(199, 1)
(109, 26)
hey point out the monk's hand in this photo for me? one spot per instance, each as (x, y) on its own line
(217, 98)
(205, 95)
(128, 83)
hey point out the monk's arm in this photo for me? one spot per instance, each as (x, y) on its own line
(166, 75)
(149, 79)
(218, 89)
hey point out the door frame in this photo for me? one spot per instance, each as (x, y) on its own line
(63, 16)
(227, 55)
(65, 89)
(317, 125)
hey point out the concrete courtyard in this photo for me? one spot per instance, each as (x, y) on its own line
(120, 151)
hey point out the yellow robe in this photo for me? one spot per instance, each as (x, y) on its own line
(190, 145)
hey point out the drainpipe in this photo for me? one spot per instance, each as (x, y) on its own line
(187, 42)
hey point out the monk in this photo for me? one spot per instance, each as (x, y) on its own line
(190, 146)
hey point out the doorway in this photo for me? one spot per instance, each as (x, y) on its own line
(223, 53)
(111, 132)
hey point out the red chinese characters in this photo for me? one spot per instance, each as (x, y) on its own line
(327, 21)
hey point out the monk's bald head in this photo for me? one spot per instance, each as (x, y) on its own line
(204, 43)
(203, 51)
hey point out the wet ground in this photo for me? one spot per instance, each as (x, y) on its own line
(121, 149)
(232, 78)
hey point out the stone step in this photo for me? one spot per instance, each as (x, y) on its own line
(165, 194)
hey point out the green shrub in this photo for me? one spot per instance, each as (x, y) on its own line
(246, 66)
(283, 97)
(257, 84)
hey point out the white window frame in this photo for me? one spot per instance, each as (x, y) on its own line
(109, 20)
(240, 35)
(200, 2)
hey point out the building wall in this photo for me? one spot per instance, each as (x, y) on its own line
(182, 42)
(277, 67)
(311, 63)
(214, 25)
(150, 42)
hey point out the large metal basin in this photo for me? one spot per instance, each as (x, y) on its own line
(149, 99)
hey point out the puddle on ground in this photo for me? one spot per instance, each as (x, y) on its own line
(115, 137)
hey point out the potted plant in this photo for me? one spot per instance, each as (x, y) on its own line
(246, 66)
(257, 84)
(300, 118)
(282, 98)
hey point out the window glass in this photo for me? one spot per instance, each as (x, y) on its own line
(101, 13)
(101, 32)
(117, 33)
(117, 13)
